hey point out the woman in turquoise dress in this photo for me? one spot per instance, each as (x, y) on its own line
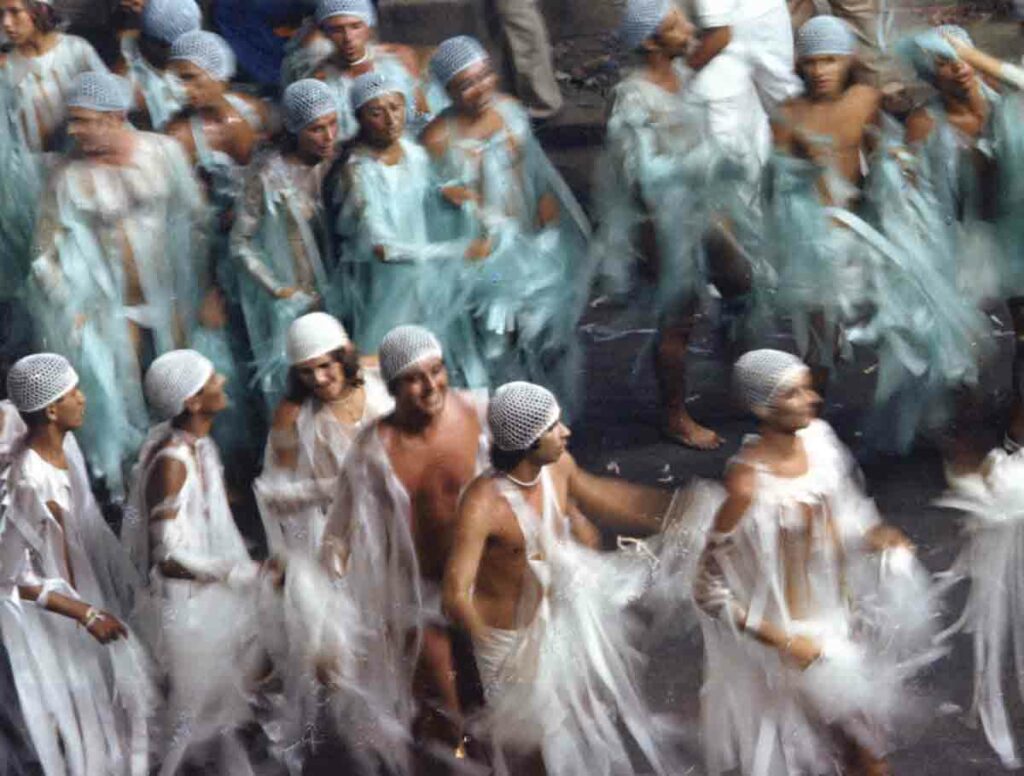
(401, 256)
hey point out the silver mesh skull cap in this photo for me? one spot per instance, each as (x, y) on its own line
(403, 348)
(370, 86)
(760, 375)
(313, 335)
(455, 55)
(519, 413)
(37, 381)
(165, 20)
(207, 51)
(174, 378)
(823, 36)
(641, 20)
(361, 9)
(306, 101)
(100, 91)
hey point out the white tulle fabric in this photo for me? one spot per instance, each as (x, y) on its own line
(993, 561)
(204, 632)
(566, 681)
(798, 559)
(86, 706)
(368, 549)
(294, 503)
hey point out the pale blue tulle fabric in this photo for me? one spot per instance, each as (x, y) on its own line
(529, 294)
(401, 258)
(77, 282)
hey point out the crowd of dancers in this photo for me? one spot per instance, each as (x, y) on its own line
(355, 309)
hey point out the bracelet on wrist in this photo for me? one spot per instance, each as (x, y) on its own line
(91, 616)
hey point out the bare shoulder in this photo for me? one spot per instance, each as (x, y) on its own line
(286, 415)
(741, 478)
(404, 54)
(864, 97)
(435, 136)
(167, 476)
(478, 502)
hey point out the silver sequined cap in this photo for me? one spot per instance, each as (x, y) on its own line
(306, 101)
(370, 86)
(361, 9)
(207, 51)
(759, 375)
(823, 36)
(174, 378)
(641, 20)
(455, 55)
(403, 348)
(165, 20)
(100, 91)
(37, 381)
(519, 413)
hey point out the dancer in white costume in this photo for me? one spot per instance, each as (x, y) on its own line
(993, 562)
(180, 533)
(159, 95)
(548, 614)
(332, 395)
(809, 637)
(390, 531)
(82, 677)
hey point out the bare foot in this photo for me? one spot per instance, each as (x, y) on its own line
(686, 431)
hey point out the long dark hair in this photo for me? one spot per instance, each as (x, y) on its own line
(297, 392)
(45, 18)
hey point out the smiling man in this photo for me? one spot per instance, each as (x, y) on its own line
(390, 532)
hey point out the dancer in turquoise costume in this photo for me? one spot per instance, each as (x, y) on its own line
(280, 234)
(1007, 145)
(220, 130)
(952, 137)
(118, 265)
(398, 261)
(664, 174)
(492, 169)
(37, 68)
(349, 26)
(158, 94)
(836, 270)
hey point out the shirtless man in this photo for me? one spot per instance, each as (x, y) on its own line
(830, 122)
(214, 117)
(390, 530)
(521, 514)
(829, 126)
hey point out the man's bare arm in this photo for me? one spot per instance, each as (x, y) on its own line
(617, 505)
(472, 527)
